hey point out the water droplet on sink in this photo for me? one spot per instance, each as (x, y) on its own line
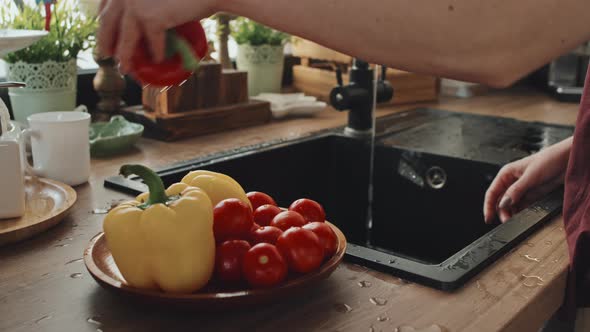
(530, 244)
(377, 261)
(532, 281)
(39, 320)
(531, 258)
(94, 320)
(61, 245)
(382, 318)
(391, 261)
(431, 328)
(74, 261)
(76, 275)
(378, 301)
(548, 243)
(364, 284)
(342, 307)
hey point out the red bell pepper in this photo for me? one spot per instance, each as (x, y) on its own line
(185, 46)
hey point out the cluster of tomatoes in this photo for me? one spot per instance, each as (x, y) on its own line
(262, 244)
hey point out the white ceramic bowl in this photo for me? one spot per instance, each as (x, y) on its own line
(13, 40)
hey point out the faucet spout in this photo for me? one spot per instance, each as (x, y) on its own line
(358, 97)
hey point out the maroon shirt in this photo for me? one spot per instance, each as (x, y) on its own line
(576, 207)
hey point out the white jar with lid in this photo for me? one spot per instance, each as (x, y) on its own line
(12, 189)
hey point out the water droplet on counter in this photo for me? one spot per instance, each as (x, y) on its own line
(43, 318)
(45, 274)
(76, 275)
(531, 258)
(431, 328)
(74, 225)
(378, 301)
(74, 261)
(382, 318)
(560, 228)
(391, 261)
(100, 211)
(61, 245)
(364, 284)
(548, 243)
(68, 239)
(342, 307)
(556, 260)
(530, 244)
(371, 329)
(377, 261)
(404, 281)
(532, 281)
(94, 320)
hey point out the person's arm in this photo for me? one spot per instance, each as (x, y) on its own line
(488, 41)
(525, 181)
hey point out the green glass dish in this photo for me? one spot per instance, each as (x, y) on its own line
(113, 137)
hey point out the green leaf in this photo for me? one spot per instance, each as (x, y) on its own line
(246, 31)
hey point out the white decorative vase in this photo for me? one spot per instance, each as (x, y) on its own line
(264, 65)
(51, 87)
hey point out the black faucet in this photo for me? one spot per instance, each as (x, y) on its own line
(357, 96)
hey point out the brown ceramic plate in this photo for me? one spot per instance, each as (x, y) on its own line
(47, 203)
(100, 264)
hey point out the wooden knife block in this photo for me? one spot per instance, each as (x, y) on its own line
(211, 100)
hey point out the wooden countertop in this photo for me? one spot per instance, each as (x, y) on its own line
(45, 286)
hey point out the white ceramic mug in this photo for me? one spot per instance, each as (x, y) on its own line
(59, 142)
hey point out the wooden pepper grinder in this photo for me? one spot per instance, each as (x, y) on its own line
(223, 30)
(110, 86)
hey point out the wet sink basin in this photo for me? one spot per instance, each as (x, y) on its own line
(424, 222)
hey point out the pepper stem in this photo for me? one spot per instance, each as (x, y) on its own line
(151, 179)
(176, 44)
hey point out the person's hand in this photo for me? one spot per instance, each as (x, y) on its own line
(123, 23)
(522, 182)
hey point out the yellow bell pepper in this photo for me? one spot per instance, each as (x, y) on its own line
(218, 186)
(164, 239)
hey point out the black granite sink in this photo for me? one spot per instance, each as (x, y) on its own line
(431, 171)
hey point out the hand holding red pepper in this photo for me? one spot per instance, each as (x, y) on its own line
(126, 26)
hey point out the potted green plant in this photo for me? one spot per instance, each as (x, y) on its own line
(260, 53)
(48, 66)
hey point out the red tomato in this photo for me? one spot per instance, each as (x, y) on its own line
(287, 219)
(258, 199)
(310, 210)
(254, 227)
(228, 260)
(327, 237)
(301, 248)
(266, 234)
(232, 219)
(171, 70)
(263, 266)
(263, 215)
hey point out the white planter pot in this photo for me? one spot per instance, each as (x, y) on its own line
(51, 87)
(264, 65)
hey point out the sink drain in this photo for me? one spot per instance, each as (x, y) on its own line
(436, 177)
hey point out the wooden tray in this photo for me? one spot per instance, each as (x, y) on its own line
(47, 203)
(171, 127)
(100, 264)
